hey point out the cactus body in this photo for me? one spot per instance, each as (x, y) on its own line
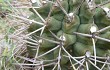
(65, 19)
(69, 39)
(64, 60)
(85, 28)
(103, 44)
(80, 49)
(72, 26)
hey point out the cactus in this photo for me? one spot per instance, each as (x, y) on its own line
(72, 32)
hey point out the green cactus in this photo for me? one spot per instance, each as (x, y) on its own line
(62, 19)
